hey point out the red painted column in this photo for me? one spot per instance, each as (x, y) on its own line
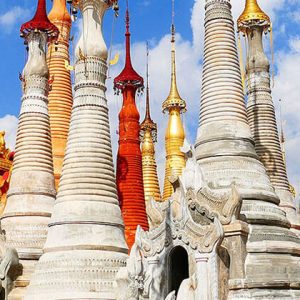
(129, 168)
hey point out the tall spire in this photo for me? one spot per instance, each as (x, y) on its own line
(128, 75)
(174, 99)
(260, 107)
(147, 116)
(149, 137)
(31, 194)
(147, 120)
(129, 160)
(174, 138)
(60, 96)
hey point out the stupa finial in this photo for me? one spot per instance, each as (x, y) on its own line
(174, 98)
(40, 22)
(128, 76)
(253, 14)
(148, 122)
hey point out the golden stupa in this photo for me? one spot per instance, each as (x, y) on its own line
(175, 135)
(252, 13)
(148, 138)
(60, 96)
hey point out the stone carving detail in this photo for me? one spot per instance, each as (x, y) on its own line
(174, 226)
(155, 212)
(8, 266)
(133, 281)
(178, 224)
(192, 177)
(226, 206)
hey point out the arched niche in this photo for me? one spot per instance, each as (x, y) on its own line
(178, 268)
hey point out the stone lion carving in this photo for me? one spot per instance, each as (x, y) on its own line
(192, 176)
(132, 281)
(154, 213)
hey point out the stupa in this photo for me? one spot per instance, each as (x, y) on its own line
(31, 194)
(149, 138)
(60, 96)
(174, 105)
(85, 245)
(129, 160)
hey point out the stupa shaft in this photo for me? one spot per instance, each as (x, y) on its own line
(226, 153)
(224, 139)
(174, 140)
(260, 108)
(60, 96)
(175, 135)
(151, 184)
(148, 138)
(85, 245)
(129, 160)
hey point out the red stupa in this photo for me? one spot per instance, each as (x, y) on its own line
(129, 160)
(40, 22)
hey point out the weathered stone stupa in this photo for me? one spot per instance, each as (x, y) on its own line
(85, 245)
(129, 160)
(60, 96)
(253, 23)
(32, 191)
(226, 153)
(149, 137)
(175, 135)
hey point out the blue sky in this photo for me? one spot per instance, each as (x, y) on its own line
(150, 20)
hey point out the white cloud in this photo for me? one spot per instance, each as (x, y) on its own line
(9, 124)
(14, 16)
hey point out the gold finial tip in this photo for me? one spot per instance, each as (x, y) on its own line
(253, 15)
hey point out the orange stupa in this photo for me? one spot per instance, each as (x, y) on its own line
(60, 96)
(129, 161)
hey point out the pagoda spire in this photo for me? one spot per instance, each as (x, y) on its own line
(175, 135)
(128, 76)
(253, 23)
(31, 194)
(129, 160)
(148, 138)
(60, 96)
